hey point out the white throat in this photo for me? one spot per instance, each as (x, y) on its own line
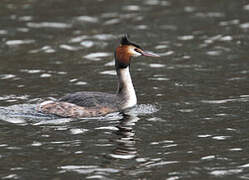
(126, 89)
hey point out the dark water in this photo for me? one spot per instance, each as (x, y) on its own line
(193, 117)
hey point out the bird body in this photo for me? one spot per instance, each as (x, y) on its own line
(93, 104)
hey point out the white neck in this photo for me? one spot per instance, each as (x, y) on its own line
(126, 90)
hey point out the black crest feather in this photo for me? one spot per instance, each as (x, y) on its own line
(125, 41)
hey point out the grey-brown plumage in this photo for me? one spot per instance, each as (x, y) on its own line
(92, 104)
(91, 99)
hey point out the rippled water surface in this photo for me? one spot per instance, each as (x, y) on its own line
(192, 121)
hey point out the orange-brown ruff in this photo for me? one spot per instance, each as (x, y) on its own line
(123, 54)
(93, 104)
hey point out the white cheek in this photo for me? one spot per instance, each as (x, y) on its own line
(134, 53)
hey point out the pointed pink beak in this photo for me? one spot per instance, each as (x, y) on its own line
(150, 54)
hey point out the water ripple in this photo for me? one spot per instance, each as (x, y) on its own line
(210, 157)
(220, 138)
(97, 56)
(104, 37)
(230, 22)
(225, 172)
(131, 8)
(162, 46)
(11, 176)
(112, 21)
(78, 38)
(159, 77)
(161, 163)
(243, 98)
(3, 32)
(110, 72)
(143, 109)
(244, 25)
(87, 19)
(7, 76)
(186, 37)
(25, 18)
(210, 14)
(19, 42)
(157, 65)
(68, 47)
(46, 49)
(78, 131)
(83, 169)
(157, 2)
(13, 97)
(167, 53)
(57, 25)
(87, 44)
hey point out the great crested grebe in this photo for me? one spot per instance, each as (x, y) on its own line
(93, 104)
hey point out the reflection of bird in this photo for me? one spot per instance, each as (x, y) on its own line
(125, 144)
(92, 104)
